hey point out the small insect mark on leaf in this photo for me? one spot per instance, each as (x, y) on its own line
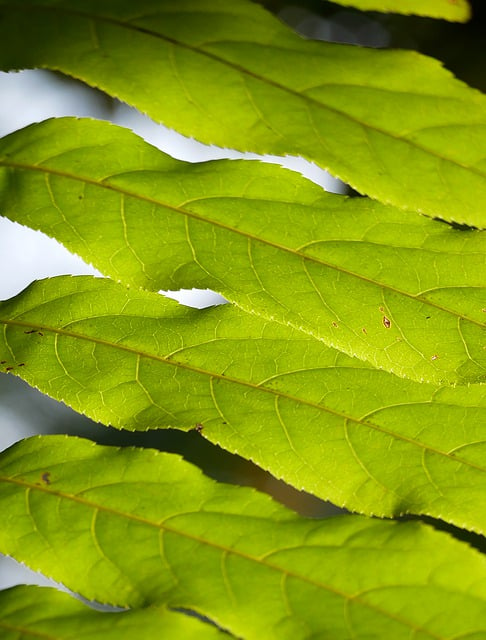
(382, 309)
(8, 368)
(46, 477)
(335, 324)
(434, 357)
(386, 322)
(364, 330)
(199, 427)
(31, 331)
(3, 362)
(21, 364)
(39, 333)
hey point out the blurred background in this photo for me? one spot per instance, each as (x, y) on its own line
(25, 255)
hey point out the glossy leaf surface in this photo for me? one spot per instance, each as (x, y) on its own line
(320, 420)
(393, 124)
(407, 295)
(146, 527)
(30, 613)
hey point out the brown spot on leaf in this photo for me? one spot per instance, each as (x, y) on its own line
(8, 368)
(31, 331)
(199, 427)
(335, 324)
(364, 330)
(46, 477)
(386, 322)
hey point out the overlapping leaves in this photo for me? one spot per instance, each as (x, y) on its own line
(34, 612)
(325, 422)
(230, 73)
(303, 270)
(146, 527)
(405, 295)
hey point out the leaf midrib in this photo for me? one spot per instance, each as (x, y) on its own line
(252, 74)
(249, 236)
(213, 375)
(218, 546)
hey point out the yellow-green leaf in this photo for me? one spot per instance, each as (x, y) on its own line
(135, 527)
(393, 124)
(453, 10)
(35, 613)
(405, 294)
(320, 420)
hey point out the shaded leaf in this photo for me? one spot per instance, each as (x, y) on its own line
(393, 124)
(406, 295)
(453, 10)
(35, 612)
(322, 421)
(133, 526)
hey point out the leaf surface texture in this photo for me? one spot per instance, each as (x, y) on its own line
(231, 74)
(320, 420)
(405, 295)
(146, 527)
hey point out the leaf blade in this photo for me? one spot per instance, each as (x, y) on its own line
(231, 85)
(405, 296)
(39, 612)
(458, 11)
(136, 360)
(256, 543)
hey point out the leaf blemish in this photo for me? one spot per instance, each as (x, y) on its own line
(46, 477)
(364, 330)
(31, 331)
(199, 427)
(386, 322)
(434, 357)
(335, 324)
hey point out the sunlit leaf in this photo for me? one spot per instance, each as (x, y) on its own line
(393, 124)
(407, 295)
(35, 612)
(135, 527)
(322, 421)
(453, 10)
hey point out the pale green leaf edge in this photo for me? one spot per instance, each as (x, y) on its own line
(452, 10)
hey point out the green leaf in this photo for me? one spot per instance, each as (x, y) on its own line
(134, 527)
(393, 124)
(322, 421)
(35, 612)
(453, 10)
(407, 295)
